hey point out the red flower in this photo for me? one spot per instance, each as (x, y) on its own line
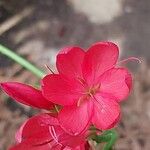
(89, 86)
(43, 132)
(27, 95)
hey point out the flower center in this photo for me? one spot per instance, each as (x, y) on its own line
(93, 90)
(89, 92)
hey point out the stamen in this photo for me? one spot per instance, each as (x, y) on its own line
(56, 108)
(80, 101)
(91, 95)
(96, 99)
(82, 81)
(97, 87)
(49, 69)
(128, 59)
(53, 134)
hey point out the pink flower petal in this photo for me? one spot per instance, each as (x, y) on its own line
(26, 146)
(61, 91)
(26, 94)
(44, 131)
(128, 80)
(75, 119)
(106, 112)
(84, 146)
(98, 59)
(66, 139)
(36, 129)
(18, 135)
(117, 82)
(69, 62)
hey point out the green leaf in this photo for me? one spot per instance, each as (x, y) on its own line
(109, 137)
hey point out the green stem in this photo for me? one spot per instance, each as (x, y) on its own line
(108, 136)
(21, 61)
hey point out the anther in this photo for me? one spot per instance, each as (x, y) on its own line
(81, 81)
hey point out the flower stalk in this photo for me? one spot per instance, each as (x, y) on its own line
(9, 53)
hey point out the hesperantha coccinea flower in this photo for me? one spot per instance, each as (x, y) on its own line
(89, 86)
(85, 92)
(43, 132)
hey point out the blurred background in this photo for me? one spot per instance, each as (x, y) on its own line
(37, 29)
